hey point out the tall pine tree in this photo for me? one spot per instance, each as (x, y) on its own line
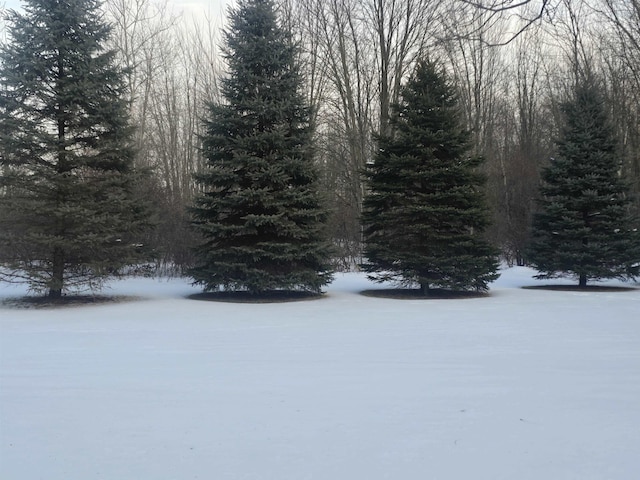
(68, 216)
(261, 215)
(424, 213)
(583, 228)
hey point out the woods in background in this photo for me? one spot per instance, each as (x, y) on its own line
(512, 63)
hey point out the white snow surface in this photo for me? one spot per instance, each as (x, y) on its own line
(523, 384)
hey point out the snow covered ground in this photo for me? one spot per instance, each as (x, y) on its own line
(524, 384)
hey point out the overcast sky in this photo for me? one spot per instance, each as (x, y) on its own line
(215, 6)
(212, 5)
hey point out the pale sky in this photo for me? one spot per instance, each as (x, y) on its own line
(215, 6)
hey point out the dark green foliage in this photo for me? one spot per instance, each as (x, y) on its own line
(68, 218)
(583, 228)
(261, 215)
(425, 211)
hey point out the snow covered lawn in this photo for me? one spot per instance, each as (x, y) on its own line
(524, 384)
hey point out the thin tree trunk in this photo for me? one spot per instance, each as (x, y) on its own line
(57, 262)
(57, 274)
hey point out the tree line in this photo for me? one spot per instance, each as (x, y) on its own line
(334, 93)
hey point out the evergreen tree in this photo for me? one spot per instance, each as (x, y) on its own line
(68, 218)
(583, 228)
(261, 215)
(424, 213)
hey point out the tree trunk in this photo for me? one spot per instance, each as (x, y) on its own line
(583, 280)
(57, 277)
(424, 288)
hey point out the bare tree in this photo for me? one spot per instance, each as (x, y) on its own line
(173, 68)
(138, 28)
(356, 55)
(403, 29)
(517, 15)
(477, 69)
(338, 63)
(621, 64)
(624, 16)
(528, 146)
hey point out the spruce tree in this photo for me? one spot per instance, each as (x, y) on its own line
(425, 212)
(68, 217)
(583, 228)
(261, 216)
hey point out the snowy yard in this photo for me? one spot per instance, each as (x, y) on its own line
(522, 385)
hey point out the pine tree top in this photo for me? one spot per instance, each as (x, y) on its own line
(428, 114)
(58, 73)
(261, 59)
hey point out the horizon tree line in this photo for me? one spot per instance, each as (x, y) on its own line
(365, 90)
